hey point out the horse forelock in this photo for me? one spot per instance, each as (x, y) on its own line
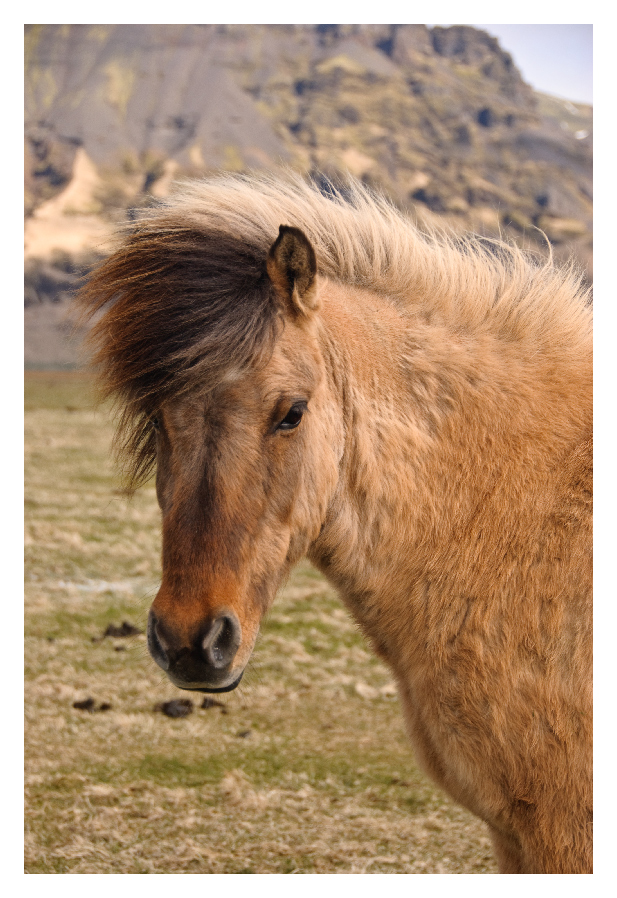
(176, 309)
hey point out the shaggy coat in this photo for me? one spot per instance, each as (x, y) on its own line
(313, 376)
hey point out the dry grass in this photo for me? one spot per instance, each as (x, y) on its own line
(305, 768)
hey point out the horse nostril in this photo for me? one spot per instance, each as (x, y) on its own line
(222, 640)
(154, 643)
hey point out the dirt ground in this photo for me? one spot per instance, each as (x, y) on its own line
(305, 768)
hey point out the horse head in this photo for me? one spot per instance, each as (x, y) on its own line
(245, 471)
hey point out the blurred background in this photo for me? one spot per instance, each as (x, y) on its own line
(441, 118)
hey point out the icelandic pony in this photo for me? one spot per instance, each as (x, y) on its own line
(312, 376)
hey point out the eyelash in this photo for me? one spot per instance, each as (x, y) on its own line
(291, 420)
(293, 417)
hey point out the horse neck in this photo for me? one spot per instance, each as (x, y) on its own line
(439, 419)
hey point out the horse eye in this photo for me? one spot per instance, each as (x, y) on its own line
(293, 417)
(155, 424)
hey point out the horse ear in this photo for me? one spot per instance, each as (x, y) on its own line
(292, 268)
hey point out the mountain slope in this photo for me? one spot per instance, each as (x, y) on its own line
(438, 118)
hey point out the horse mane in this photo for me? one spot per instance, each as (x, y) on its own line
(187, 294)
(172, 308)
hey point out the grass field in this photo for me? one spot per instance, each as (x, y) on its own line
(305, 768)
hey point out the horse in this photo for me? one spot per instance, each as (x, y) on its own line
(313, 375)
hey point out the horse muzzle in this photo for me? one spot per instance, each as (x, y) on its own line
(202, 661)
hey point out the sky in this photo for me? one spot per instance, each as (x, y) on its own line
(554, 59)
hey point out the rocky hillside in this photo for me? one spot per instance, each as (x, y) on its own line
(438, 118)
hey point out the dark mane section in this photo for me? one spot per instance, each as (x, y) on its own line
(175, 308)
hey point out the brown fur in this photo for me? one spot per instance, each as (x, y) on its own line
(440, 476)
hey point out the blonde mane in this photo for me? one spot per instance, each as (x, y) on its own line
(361, 239)
(187, 294)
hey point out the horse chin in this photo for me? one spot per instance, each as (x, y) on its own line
(202, 687)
